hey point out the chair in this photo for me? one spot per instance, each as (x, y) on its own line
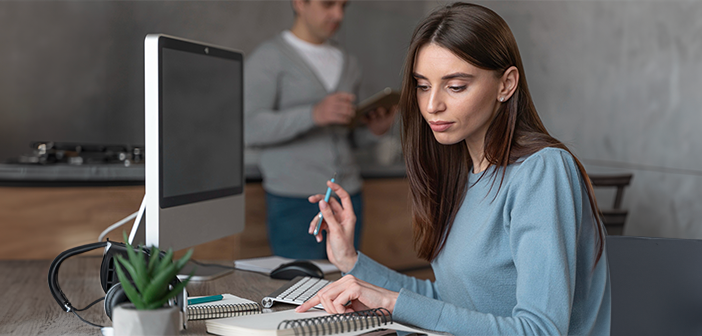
(613, 218)
(656, 286)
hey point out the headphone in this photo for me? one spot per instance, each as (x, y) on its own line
(114, 294)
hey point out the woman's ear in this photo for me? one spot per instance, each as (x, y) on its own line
(508, 83)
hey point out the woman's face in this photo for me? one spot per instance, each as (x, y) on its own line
(457, 99)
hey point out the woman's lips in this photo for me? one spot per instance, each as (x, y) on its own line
(440, 126)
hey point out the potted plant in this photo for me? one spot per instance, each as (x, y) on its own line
(148, 285)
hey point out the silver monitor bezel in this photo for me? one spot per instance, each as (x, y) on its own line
(185, 217)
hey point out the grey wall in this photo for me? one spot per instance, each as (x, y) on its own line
(619, 82)
(73, 70)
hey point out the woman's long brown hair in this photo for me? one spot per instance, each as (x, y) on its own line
(438, 174)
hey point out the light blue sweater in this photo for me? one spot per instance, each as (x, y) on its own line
(516, 262)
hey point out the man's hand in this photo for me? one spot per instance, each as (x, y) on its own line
(380, 120)
(336, 108)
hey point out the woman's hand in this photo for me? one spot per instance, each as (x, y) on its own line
(350, 294)
(339, 222)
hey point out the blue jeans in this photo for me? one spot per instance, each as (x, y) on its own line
(288, 219)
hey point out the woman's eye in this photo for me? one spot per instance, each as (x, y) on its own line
(457, 88)
(423, 87)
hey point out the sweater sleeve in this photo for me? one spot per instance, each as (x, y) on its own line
(374, 273)
(541, 216)
(264, 124)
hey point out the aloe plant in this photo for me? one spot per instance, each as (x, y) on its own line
(149, 285)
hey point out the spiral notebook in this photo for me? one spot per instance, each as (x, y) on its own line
(317, 322)
(230, 305)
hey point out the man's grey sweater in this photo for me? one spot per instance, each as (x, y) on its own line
(296, 156)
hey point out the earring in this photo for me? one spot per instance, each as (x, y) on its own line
(502, 99)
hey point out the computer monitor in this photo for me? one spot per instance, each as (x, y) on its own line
(194, 144)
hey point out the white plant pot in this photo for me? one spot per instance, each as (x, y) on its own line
(128, 321)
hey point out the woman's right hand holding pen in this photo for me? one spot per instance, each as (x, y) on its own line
(339, 222)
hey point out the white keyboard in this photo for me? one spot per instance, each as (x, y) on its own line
(296, 291)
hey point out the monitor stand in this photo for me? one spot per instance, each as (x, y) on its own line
(202, 272)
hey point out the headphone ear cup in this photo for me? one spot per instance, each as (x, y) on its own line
(114, 297)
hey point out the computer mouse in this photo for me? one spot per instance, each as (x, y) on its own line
(297, 268)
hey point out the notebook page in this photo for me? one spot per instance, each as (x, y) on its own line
(267, 324)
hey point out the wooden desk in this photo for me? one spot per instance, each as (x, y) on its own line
(28, 308)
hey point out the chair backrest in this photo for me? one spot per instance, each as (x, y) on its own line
(656, 285)
(617, 181)
(613, 217)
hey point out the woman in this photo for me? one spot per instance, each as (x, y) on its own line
(504, 212)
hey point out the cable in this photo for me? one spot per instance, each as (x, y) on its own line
(74, 311)
(82, 319)
(637, 166)
(116, 225)
(90, 305)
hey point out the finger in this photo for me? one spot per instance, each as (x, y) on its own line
(335, 205)
(313, 224)
(381, 112)
(372, 115)
(330, 292)
(315, 198)
(347, 111)
(341, 300)
(340, 117)
(346, 96)
(365, 119)
(333, 225)
(344, 117)
(341, 97)
(356, 305)
(343, 195)
(315, 220)
(337, 209)
(345, 108)
(308, 304)
(326, 296)
(322, 227)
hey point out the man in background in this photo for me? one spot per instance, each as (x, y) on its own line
(300, 92)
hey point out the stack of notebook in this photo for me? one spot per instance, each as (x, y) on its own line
(230, 305)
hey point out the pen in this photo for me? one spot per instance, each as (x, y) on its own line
(326, 199)
(205, 299)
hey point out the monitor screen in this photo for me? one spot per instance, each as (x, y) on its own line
(200, 127)
(194, 142)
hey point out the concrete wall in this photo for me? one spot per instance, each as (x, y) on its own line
(619, 82)
(73, 70)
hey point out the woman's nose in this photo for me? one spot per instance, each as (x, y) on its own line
(435, 102)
